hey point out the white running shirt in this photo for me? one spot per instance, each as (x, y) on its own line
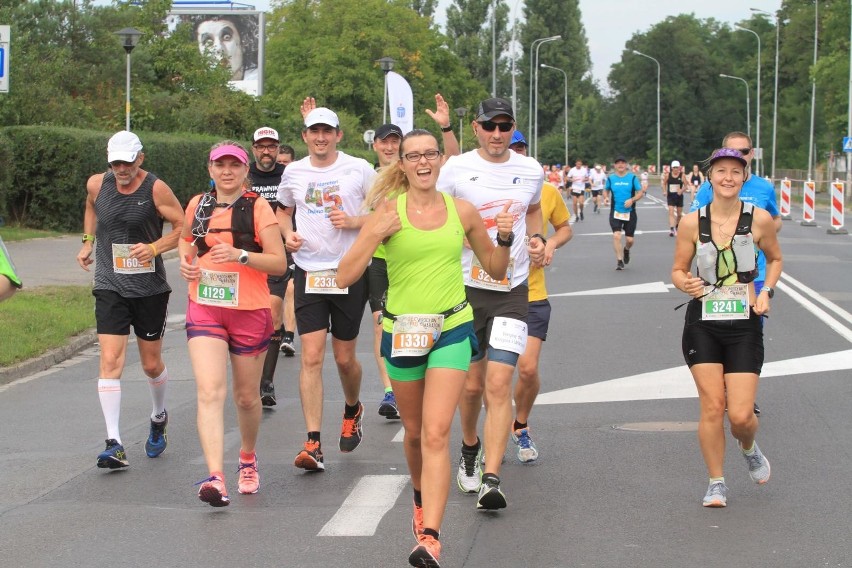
(597, 178)
(578, 178)
(488, 186)
(313, 191)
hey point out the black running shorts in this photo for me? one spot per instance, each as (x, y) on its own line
(115, 314)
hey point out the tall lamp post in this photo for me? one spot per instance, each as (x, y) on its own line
(759, 152)
(748, 102)
(461, 111)
(849, 113)
(813, 92)
(534, 69)
(775, 95)
(535, 109)
(565, 75)
(129, 40)
(387, 66)
(659, 170)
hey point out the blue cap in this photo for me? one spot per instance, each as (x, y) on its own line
(518, 138)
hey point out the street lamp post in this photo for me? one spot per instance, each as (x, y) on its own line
(534, 69)
(813, 92)
(461, 111)
(565, 75)
(748, 102)
(493, 48)
(658, 105)
(535, 106)
(775, 95)
(759, 152)
(129, 40)
(514, 55)
(849, 112)
(387, 66)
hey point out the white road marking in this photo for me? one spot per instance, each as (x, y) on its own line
(400, 436)
(609, 234)
(677, 381)
(813, 294)
(363, 509)
(649, 288)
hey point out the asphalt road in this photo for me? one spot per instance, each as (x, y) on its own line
(619, 481)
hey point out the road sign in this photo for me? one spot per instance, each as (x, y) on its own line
(847, 144)
(4, 58)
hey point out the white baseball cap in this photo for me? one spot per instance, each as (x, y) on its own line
(675, 164)
(265, 132)
(124, 146)
(322, 115)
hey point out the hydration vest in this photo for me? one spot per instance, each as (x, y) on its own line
(242, 223)
(742, 245)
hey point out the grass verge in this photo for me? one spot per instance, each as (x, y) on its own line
(12, 233)
(36, 320)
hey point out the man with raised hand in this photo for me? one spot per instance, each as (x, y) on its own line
(324, 193)
(123, 229)
(491, 177)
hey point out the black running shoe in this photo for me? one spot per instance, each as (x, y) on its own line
(756, 409)
(267, 395)
(620, 265)
(490, 496)
(351, 431)
(626, 256)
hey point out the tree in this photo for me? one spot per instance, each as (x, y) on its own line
(469, 28)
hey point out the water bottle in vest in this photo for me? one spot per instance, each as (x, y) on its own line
(705, 258)
(743, 247)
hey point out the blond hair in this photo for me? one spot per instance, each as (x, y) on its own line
(391, 181)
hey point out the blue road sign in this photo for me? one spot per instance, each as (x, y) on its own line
(847, 144)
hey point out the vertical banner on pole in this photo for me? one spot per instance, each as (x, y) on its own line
(837, 209)
(401, 102)
(786, 187)
(808, 203)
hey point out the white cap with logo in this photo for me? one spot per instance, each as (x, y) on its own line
(675, 164)
(322, 115)
(124, 146)
(265, 132)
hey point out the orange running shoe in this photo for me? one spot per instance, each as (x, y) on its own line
(311, 457)
(427, 552)
(417, 521)
(351, 432)
(213, 491)
(249, 481)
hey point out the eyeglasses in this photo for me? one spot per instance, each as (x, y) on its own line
(267, 147)
(744, 151)
(428, 154)
(490, 125)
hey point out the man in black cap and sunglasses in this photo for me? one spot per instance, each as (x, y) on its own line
(490, 177)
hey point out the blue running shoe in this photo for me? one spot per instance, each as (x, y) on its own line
(113, 457)
(157, 440)
(527, 451)
(388, 407)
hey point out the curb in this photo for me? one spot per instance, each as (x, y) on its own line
(47, 360)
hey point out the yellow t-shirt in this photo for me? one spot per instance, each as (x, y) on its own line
(554, 212)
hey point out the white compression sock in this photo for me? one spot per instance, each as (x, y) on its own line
(109, 391)
(158, 395)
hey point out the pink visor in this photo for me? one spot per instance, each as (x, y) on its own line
(229, 150)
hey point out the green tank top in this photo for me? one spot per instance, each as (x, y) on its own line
(725, 271)
(424, 268)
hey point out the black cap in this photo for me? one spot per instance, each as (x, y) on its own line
(386, 130)
(620, 158)
(490, 108)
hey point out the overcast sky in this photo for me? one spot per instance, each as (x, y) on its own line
(610, 23)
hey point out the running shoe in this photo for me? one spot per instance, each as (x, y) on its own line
(287, 347)
(388, 407)
(351, 432)
(310, 458)
(717, 495)
(671, 232)
(267, 395)
(620, 265)
(626, 256)
(427, 552)
(582, 217)
(596, 208)
(758, 465)
(157, 440)
(113, 457)
(249, 481)
(527, 451)
(213, 491)
(469, 476)
(490, 496)
(417, 520)
(756, 409)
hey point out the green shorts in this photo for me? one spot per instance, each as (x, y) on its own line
(453, 356)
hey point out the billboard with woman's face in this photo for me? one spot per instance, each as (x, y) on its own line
(234, 38)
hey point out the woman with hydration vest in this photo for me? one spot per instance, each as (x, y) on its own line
(230, 242)
(722, 335)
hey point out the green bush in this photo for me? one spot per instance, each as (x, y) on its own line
(7, 174)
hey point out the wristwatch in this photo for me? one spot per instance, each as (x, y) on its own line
(769, 291)
(447, 128)
(243, 258)
(508, 242)
(540, 236)
(88, 238)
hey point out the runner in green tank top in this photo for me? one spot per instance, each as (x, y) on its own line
(427, 335)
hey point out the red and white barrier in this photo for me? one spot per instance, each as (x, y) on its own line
(837, 209)
(808, 203)
(786, 190)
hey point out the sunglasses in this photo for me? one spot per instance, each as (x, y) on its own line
(490, 125)
(744, 151)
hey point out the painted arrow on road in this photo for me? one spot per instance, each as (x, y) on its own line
(649, 288)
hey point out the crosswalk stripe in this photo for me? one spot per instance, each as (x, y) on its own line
(371, 498)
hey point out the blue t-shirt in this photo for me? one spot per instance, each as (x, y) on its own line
(757, 191)
(623, 188)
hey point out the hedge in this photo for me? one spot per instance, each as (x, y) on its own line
(44, 169)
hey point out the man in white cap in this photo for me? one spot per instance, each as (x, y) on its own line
(123, 227)
(673, 186)
(265, 175)
(324, 192)
(491, 177)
